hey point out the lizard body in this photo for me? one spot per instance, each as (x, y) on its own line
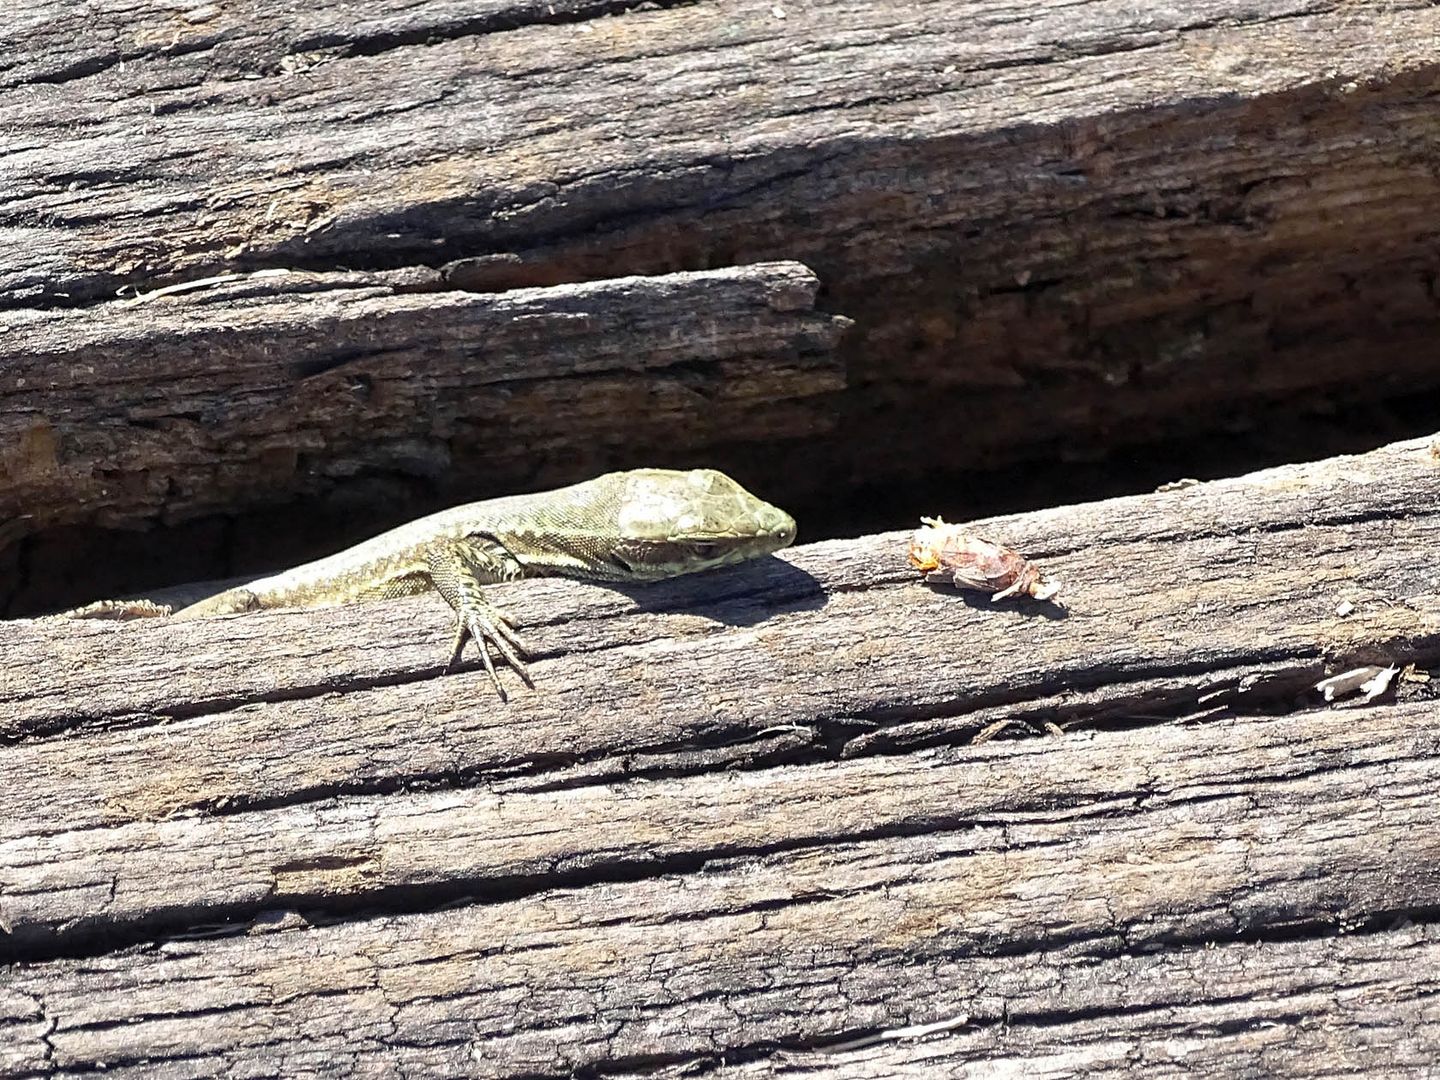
(641, 525)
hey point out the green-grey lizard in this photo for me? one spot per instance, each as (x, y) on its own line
(641, 525)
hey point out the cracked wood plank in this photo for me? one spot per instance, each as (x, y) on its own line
(1224, 1010)
(1102, 220)
(106, 882)
(1236, 577)
(295, 382)
(686, 846)
(1016, 915)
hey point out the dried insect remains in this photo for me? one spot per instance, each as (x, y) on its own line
(947, 553)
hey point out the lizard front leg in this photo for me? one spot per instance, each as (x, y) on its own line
(458, 569)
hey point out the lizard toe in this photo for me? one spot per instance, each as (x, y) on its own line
(488, 629)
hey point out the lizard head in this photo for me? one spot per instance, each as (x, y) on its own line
(670, 522)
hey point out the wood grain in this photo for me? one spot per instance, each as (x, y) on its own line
(296, 382)
(1099, 223)
(743, 826)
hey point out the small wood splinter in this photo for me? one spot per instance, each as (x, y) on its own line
(948, 554)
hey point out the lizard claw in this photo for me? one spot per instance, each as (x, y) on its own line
(488, 627)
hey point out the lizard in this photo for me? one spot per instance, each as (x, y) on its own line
(635, 526)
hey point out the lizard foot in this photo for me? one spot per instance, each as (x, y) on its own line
(488, 626)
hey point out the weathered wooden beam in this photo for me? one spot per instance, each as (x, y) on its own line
(742, 821)
(806, 915)
(292, 383)
(1103, 221)
(1216, 578)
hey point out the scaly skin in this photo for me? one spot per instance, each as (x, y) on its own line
(642, 525)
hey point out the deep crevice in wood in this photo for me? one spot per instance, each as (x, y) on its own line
(513, 17)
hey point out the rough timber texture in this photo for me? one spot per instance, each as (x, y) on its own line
(296, 382)
(743, 827)
(1056, 225)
